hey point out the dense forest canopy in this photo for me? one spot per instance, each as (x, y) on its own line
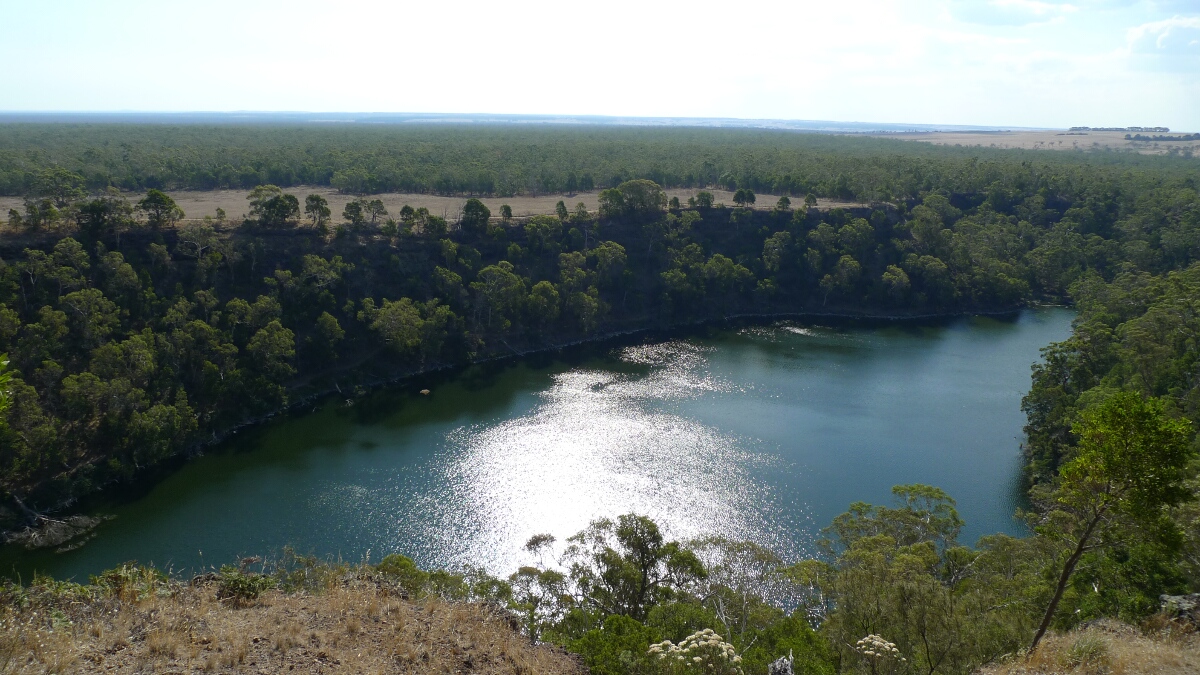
(135, 335)
(507, 160)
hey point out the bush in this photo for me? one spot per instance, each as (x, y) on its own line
(405, 573)
(238, 586)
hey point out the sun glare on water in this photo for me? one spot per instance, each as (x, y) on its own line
(600, 444)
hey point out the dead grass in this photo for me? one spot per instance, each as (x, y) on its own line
(197, 204)
(1046, 140)
(354, 627)
(1109, 648)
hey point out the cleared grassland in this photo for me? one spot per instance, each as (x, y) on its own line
(1045, 140)
(197, 204)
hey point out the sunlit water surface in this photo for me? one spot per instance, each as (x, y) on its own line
(762, 433)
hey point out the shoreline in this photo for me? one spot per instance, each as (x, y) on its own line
(366, 385)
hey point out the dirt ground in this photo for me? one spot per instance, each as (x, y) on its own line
(1046, 140)
(354, 629)
(197, 204)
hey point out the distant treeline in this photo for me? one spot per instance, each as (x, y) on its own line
(1182, 137)
(505, 161)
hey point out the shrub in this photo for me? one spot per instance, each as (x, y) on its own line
(237, 585)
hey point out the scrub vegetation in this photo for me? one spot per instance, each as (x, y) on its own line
(135, 335)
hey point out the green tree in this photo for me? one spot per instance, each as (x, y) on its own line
(626, 567)
(500, 293)
(328, 334)
(272, 349)
(704, 200)
(355, 212)
(1128, 470)
(743, 197)
(110, 214)
(398, 322)
(317, 208)
(160, 209)
(636, 199)
(59, 186)
(543, 233)
(271, 207)
(775, 250)
(895, 280)
(475, 216)
(543, 303)
(375, 209)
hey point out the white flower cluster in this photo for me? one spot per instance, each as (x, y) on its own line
(878, 648)
(702, 648)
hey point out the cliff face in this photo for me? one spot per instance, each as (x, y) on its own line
(354, 626)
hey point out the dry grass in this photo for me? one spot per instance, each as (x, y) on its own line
(197, 204)
(1109, 648)
(354, 627)
(1046, 140)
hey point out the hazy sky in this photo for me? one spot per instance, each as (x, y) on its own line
(987, 62)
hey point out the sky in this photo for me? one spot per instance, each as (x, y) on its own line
(1033, 63)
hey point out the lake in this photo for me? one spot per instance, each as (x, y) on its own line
(762, 432)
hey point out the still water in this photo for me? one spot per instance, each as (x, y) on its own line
(763, 432)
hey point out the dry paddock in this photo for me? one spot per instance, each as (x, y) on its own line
(1047, 140)
(197, 204)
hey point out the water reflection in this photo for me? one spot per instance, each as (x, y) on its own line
(763, 433)
(600, 443)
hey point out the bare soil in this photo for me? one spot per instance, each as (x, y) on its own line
(197, 204)
(1046, 140)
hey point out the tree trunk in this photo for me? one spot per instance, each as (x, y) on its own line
(1063, 578)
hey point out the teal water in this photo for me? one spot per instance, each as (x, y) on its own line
(763, 432)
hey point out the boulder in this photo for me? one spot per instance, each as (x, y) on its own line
(782, 665)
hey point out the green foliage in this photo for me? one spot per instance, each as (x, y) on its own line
(1128, 471)
(131, 582)
(160, 209)
(619, 646)
(405, 573)
(900, 575)
(625, 566)
(475, 216)
(239, 586)
(636, 200)
(317, 208)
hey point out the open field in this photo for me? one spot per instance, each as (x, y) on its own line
(197, 204)
(1045, 140)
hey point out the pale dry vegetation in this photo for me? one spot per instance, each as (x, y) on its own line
(1046, 140)
(1110, 648)
(197, 204)
(355, 626)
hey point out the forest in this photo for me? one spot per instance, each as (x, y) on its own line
(135, 335)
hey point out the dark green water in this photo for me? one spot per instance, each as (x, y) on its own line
(762, 433)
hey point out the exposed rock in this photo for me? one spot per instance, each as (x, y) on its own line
(782, 665)
(1183, 607)
(52, 532)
